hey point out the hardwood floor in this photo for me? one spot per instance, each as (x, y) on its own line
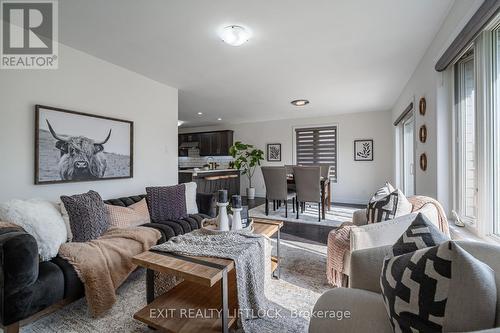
(315, 233)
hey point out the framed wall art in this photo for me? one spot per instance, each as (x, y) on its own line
(363, 150)
(274, 152)
(422, 106)
(73, 146)
(422, 134)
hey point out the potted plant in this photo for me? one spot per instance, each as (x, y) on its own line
(246, 158)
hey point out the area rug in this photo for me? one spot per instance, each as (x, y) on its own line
(333, 218)
(303, 280)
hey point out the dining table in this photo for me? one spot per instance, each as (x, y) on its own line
(326, 193)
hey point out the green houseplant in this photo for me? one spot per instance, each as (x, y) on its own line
(246, 159)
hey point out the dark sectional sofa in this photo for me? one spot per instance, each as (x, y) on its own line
(30, 289)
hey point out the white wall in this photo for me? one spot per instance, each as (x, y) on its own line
(87, 84)
(357, 181)
(435, 87)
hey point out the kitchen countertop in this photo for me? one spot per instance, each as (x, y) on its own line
(206, 171)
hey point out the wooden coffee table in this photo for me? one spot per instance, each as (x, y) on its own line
(209, 283)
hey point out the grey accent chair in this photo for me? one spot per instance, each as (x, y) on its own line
(275, 179)
(308, 186)
(364, 300)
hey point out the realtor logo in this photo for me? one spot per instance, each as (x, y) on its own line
(29, 34)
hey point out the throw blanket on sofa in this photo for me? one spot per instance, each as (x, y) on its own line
(339, 241)
(419, 201)
(252, 257)
(104, 263)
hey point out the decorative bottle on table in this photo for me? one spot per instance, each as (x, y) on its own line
(222, 218)
(236, 203)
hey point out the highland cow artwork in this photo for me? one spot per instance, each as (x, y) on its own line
(73, 146)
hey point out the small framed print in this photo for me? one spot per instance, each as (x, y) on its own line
(274, 152)
(363, 150)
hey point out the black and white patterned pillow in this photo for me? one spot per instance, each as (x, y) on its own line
(387, 207)
(420, 234)
(383, 191)
(439, 289)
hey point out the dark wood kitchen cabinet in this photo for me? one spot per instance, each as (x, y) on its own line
(216, 143)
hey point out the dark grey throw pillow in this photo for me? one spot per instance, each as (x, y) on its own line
(439, 289)
(87, 215)
(420, 234)
(167, 203)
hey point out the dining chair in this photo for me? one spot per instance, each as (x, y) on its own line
(289, 172)
(308, 183)
(289, 169)
(275, 179)
(325, 175)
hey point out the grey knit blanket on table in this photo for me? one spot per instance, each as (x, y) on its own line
(251, 254)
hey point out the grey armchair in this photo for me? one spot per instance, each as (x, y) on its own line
(364, 300)
(275, 179)
(308, 186)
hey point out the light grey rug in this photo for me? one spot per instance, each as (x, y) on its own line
(303, 280)
(333, 217)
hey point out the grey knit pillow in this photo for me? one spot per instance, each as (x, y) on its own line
(167, 203)
(87, 215)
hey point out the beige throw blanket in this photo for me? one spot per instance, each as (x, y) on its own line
(419, 201)
(104, 264)
(339, 241)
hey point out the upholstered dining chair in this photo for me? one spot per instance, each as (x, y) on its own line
(308, 184)
(289, 171)
(325, 174)
(275, 179)
(325, 170)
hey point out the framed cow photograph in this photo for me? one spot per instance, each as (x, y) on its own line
(73, 146)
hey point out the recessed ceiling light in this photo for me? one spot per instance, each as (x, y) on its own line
(179, 123)
(235, 35)
(219, 119)
(300, 102)
(200, 113)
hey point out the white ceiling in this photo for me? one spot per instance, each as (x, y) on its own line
(343, 55)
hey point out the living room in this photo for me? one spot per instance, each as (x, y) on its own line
(191, 166)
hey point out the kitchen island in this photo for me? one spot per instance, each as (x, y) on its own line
(210, 181)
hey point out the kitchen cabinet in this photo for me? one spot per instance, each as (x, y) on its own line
(216, 143)
(213, 180)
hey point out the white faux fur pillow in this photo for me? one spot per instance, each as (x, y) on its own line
(39, 218)
(65, 216)
(191, 206)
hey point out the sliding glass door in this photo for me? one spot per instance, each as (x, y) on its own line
(408, 154)
(466, 138)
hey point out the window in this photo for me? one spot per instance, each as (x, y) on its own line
(317, 146)
(496, 129)
(466, 143)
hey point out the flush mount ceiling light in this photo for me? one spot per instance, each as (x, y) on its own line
(235, 35)
(300, 102)
(200, 113)
(219, 119)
